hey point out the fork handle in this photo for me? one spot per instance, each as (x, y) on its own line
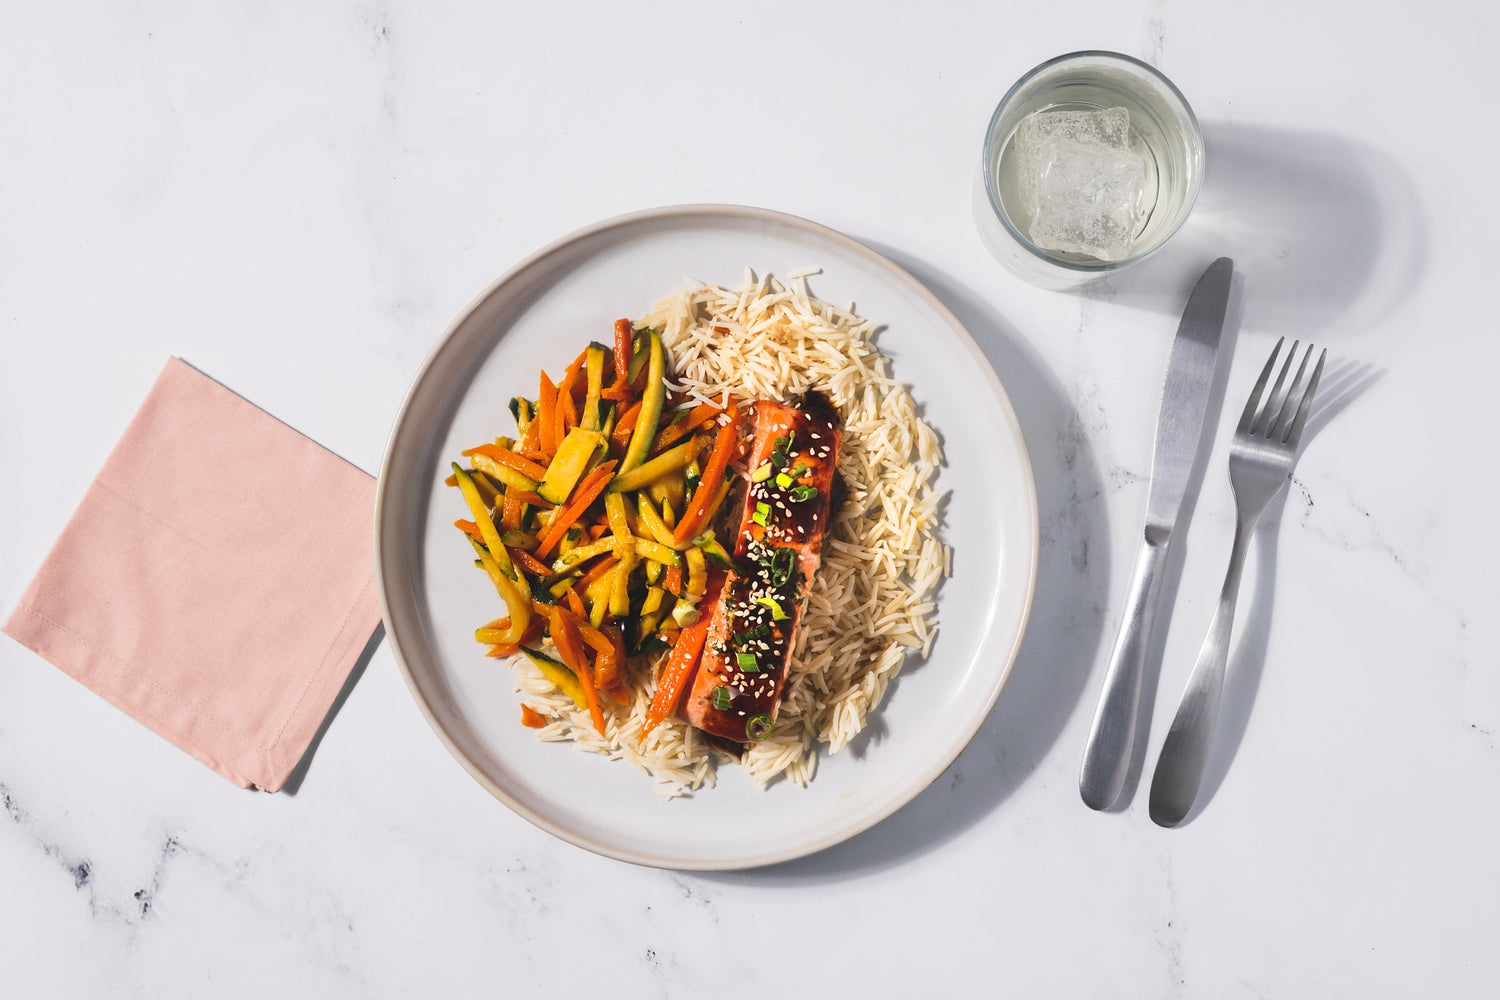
(1184, 753)
(1106, 758)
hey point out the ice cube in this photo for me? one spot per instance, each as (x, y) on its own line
(1083, 188)
(1109, 127)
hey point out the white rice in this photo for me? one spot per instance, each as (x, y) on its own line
(882, 557)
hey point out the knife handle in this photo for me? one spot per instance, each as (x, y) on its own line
(1106, 758)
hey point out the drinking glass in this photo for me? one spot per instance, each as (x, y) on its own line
(1163, 131)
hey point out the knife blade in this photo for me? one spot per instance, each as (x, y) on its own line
(1179, 427)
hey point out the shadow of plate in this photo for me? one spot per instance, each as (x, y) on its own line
(1062, 636)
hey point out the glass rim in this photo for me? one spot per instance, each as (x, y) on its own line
(990, 139)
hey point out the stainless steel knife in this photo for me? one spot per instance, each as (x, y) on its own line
(1184, 404)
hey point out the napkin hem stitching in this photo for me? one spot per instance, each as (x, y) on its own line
(323, 661)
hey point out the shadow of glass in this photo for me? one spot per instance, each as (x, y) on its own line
(1327, 232)
(1062, 637)
(1344, 382)
(299, 773)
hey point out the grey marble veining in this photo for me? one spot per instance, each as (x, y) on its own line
(299, 200)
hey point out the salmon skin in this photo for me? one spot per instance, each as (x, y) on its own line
(778, 544)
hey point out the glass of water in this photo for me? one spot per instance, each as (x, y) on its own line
(1091, 162)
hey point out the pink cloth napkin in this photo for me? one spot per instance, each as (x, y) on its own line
(216, 581)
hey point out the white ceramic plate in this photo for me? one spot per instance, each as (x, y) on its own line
(535, 317)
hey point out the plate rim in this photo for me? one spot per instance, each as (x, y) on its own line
(656, 215)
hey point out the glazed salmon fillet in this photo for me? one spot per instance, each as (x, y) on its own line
(778, 544)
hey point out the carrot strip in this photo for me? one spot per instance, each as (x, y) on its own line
(672, 680)
(564, 404)
(605, 565)
(569, 647)
(713, 474)
(585, 494)
(506, 457)
(575, 603)
(625, 425)
(624, 336)
(529, 446)
(610, 678)
(567, 413)
(620, 390)
(697, 417)
(571, 373)
(605, 669)
(531, 718)
(596, 639)
(673, 580)
(469, 528)
(526, 496)
(546, 416)
(510, 511)
(532, 633)
(530, 563)
(674, 676)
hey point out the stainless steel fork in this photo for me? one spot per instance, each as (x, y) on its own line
(1261, 457)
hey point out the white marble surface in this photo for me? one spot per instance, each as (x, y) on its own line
(297, 198)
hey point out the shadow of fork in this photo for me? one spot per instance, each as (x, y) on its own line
(1343, 382)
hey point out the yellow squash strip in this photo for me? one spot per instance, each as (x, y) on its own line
(517, 603)
(594, 365)
(502, 473)
(697, 567)
(653, 397)
(558, 674)
(487, 529)
(664, 464)
(582, 553)
(652, 520)
(656, 552)
(619, 599)
(614, 510)
(569, 464)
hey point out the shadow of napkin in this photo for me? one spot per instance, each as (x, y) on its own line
(215, 582)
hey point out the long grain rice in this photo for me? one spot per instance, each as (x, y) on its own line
(882, 557)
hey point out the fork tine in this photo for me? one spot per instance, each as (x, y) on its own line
(1290, 400)
(1294, 433)
(1260, 383)
(1264, 418)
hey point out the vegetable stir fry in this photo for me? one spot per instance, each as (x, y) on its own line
(593, 522)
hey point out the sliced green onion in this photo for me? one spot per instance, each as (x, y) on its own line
(783, 561)
(782, 450)
(777, 615)
(802, 493)
(762, 513)
(746, 662)
(758, 727)
(755, 634)
(721, 698)
(783, 480)
(798, 470)
(763, 473)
